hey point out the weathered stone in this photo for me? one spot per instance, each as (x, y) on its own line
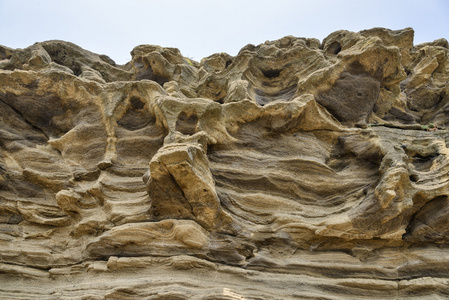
(296, 169)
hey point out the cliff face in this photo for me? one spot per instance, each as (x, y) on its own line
(296, 169)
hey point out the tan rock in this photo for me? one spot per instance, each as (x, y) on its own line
(296, 169)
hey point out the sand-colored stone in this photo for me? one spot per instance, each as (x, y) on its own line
(294, 170)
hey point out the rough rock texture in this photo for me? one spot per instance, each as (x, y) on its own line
(296, 169)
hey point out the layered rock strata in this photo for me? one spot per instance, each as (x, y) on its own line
(296, 169)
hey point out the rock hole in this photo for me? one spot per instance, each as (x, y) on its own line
(365, 191)
(228, 63)
(76, 68)
(160, 79)
(420, 158)
(334, 48)
(414, 178)
(423, 163)
(136, 103)
(186, 124)
(136, 117)
(271, 73)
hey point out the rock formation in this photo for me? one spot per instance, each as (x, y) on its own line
(296, 169)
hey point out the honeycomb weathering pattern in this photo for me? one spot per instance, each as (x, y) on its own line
(295, 169)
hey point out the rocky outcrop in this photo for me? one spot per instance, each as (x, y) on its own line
(296, 169)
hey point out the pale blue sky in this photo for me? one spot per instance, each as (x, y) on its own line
(202, 27)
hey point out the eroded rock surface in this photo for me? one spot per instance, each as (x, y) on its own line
(296, 169)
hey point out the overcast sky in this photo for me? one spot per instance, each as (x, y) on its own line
(200, 28)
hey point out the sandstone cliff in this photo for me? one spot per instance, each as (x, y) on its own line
(296, 169)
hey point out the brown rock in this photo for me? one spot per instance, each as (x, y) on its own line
(296, 169)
